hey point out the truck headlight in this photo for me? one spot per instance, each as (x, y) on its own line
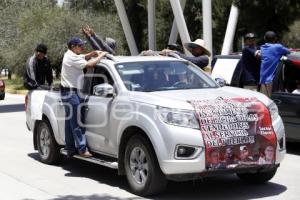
(273, 111)
(176, 117)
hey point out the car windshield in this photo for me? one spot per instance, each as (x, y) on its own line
(163, 75)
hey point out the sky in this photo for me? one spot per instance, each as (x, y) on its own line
(60, 2)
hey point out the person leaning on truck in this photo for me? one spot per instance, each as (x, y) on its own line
(250, 62)
(200, 53)
(271, 52)
(71, 83)
(38, 69)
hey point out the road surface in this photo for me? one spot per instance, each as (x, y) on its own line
(23, 177)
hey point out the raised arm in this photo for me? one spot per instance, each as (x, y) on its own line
(96, 41)
(200, 61)
(103, 45)
(92, 63)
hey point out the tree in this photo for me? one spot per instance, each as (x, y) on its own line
(292, 38)
(95, 5)
(44, 22)
(260, 16)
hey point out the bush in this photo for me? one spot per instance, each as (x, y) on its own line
(44, 22)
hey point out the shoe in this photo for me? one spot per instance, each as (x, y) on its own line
(86, 154)
(69, 153)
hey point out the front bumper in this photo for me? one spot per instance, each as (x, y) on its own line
(194, 176)
(174, 135)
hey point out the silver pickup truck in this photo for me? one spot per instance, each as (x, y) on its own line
(156, 118)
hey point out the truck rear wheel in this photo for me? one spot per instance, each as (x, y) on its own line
(259, 177)
(47, 146)
(142, 169)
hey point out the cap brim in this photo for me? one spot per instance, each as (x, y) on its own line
(83, 43)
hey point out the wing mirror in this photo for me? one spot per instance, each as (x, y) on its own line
(103, 90)
(221, 82)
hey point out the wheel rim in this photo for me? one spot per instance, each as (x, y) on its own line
(139, 165)
(44, 142)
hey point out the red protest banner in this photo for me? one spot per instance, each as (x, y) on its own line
(237, 132)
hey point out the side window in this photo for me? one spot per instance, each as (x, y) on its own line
(100, 76)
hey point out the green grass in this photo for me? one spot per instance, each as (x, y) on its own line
(14, 85)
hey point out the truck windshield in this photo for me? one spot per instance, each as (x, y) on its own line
(163, 75)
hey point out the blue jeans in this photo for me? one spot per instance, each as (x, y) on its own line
(74, 134)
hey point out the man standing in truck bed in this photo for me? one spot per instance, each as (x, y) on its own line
(38, 69)
(71, 83)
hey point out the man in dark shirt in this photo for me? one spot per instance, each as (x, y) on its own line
(199, 51)
(250, 62)
(38, 69)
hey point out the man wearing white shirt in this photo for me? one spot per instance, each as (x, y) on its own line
(71, 83)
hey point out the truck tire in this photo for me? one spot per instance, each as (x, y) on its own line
(48, 148)
(142, 169)
(259, 177)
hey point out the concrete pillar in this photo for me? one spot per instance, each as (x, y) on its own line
(230, 30)
(151, 25)
(180, 22)
(126, 27)
(174, 32)
(207, 23)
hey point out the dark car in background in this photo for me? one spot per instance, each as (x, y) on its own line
(286, 81)
(2, 89)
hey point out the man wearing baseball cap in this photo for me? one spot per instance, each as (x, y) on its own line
(250, 62)
(199, 51)
(71, 84)
(38, 69)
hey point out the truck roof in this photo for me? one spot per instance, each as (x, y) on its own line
(121, 59)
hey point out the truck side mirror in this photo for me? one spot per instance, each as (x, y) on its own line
(221, 82)
(103, 90)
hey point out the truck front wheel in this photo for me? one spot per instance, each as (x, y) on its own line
(47, 146)
(142, 169)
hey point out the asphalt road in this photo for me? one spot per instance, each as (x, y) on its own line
(23, 177)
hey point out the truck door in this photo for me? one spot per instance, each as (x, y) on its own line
(97, 114)
(228, 68)
(289, 109)
(287, 102)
